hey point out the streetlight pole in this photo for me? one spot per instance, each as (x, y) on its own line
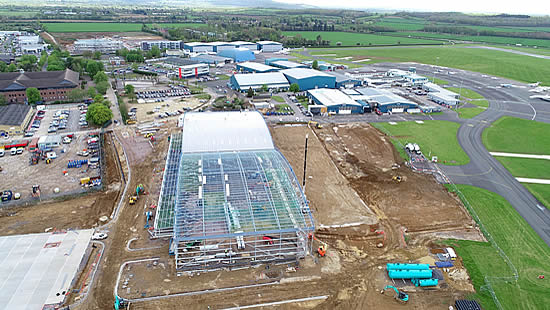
(436, 62)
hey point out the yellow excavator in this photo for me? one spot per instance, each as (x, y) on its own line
(397, 178)
(316, 124)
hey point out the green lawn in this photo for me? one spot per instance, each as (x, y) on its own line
(515, 135)
(526, 250)
(438, 81)
(203, 96)
(498, 63)
(107, 27)
(482, 39)
(282, 107)
(351, 39)
(526, 167)
(540, 191)
(278, 99)
(223, 76)
(435, 138)
(465, 92)
(469, 112)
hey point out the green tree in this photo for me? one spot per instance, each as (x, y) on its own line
(315, 65)
(250, 92)
(92, 92)
(98, 98)
(93, 67)
(264, 88)
(155, 52)
(2, 100)
(27, 62)
(96, 55)
(100, 77)
(130, 90)
(12, 68)
(87, 54)
(55, 63)
(33, 95)
(102, 87)
(3, 66)
(98, 114)
(294, 88)
(77, 94)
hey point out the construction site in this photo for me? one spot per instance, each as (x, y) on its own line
(226, 221)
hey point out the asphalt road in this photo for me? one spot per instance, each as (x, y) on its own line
(484, 170)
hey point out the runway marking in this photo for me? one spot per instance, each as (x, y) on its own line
(533, 181)
(533, 156)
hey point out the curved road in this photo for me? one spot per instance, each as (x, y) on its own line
(484, 170)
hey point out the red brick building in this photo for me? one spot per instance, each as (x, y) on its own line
(53, 85)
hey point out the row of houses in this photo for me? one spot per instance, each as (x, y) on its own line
(212, 47)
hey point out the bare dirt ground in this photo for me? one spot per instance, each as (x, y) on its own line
(77, 213)
(130, 38)
(170, 104)
(352, 273)
(19, 176)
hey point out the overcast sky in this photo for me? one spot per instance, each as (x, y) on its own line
(539, 7)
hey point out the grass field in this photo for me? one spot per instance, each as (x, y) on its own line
(22, 13)
(107, 27)
(515, 135)
(435, 138)
(469, 112)
(480, 102)
(278, 98)
(504, 64)
(351, 39)
(282, 107)
(483, 39)
(541, 192)
(526, 167)
(526, 250)
(438, 81)
(465, 92)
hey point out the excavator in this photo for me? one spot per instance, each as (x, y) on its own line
(397, 178)
(139, 190)
(322, 249)
(316, 124)
(399, 295)
(120, 303)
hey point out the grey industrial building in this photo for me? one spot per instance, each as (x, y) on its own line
(273, 80)
(309, 79)
(255, 67)
(385, 101)
(334, 100)
(161, 44)
(441, 95)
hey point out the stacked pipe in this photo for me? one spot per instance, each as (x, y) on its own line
(419, 274)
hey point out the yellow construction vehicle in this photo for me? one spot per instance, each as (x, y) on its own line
(130, 122)
(397, 178)
(316, 124)
(148, 135)
(132, 200)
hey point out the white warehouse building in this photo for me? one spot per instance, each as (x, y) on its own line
(441, 95)
(192, 70)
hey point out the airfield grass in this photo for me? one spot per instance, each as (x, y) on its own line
(438, 81)
(465, 92)
(482, 39)
(435, 138)
(108, 27)
(525, 249)
(526, 167)
(540, 191)
(469, 112)
(498, 63)
(516, 135)
(480, 102)
(351, 39)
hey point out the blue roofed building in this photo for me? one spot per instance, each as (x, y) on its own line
(309, 79)
(273, 81)
(334, 100)
(344, 81)
(255, 67)
(285, 64)
(238, 54)
(386, 101)
(268, 61)
(211, 59)
(269, 46)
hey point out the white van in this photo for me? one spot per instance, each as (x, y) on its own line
(13, 151)
(2, 152)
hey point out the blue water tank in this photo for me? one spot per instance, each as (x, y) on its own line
(398, 266)
(428, 282)
(410, 274)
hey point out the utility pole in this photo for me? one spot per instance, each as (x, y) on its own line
(433, 76)
(305, 165)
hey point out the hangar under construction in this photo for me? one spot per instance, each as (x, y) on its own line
(229, 199)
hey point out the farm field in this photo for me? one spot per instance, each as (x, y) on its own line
(526, 250)
(529, 137)
(106, 27)
(508, 65)
(444, 144)
(351, 39)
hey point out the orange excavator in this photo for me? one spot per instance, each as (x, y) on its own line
(323, 246)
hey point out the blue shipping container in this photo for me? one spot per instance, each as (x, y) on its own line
(444, 264)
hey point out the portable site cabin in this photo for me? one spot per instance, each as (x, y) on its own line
(48, 142)
(451, 253)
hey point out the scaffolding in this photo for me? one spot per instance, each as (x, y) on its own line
(164, 219)
(237, 209)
